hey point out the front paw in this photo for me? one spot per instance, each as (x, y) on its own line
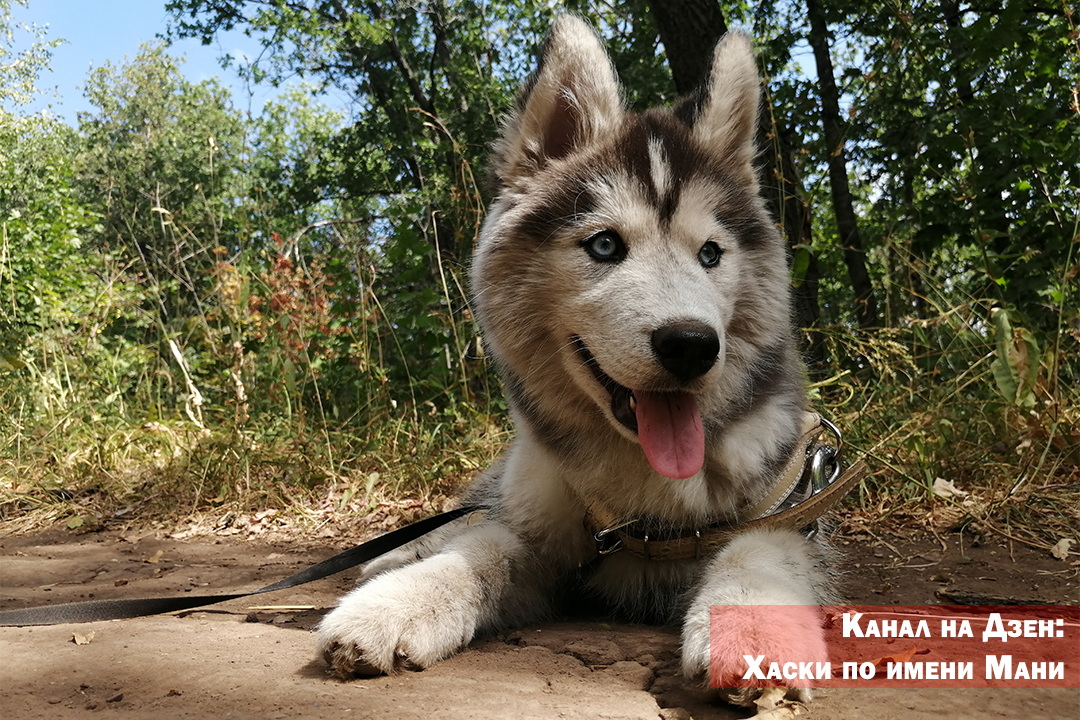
(743, 650)
(405, 619)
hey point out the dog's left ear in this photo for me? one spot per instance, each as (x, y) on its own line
(572, 100)
(724, 113)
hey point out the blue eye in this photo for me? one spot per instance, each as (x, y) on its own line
(709, 254)
(605, 247)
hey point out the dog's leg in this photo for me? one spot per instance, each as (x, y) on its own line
(767, 567)
(418, 614)
(419, 549)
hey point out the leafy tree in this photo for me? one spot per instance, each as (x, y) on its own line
(842, 201)
(427, 80)
(42, 225)
(970, 136)
(160, 157)
(429, 83)
(55, 298)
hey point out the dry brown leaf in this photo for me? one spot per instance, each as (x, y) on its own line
(475, 517)
(155, 557)
(770, 698)
(80, 639)
(786, 711)
(1061, 549)
(944, 488)
(899, 657)
(771, 705)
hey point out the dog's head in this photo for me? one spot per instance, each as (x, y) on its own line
(628, 273)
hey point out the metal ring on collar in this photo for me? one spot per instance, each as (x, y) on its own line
(836, 433)
(825, 468)
(601, 538)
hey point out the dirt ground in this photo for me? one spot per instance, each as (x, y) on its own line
(244, 660)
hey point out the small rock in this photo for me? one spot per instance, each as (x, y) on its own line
(664, 683)
(633, 674)
(675, 714)
(596, 652)
(116, 698)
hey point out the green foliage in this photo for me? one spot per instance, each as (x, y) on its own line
(972, 134)
(204, 306)
(160, 157)
(1016, 364)
(19, 71)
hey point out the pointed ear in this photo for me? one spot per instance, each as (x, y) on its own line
(571, 100)
(727, 109)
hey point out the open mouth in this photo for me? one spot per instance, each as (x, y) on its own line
(668, 424)
(623, 402)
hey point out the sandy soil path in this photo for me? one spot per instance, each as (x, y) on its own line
(239, 661)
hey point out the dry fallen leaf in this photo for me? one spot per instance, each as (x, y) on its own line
(1061, 549)
(898, 657)
(787, 711)
(80, 639)
(771, 705)
(944, 488)
(155, 557)
(770, 698)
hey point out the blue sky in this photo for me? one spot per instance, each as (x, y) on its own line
(99, 31)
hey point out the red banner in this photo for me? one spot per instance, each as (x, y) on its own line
(898, 646)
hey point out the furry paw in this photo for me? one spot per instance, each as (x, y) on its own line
(758, 606)
(406, 619)
(736, 651)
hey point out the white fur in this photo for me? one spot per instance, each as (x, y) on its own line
(725, 123)
(661, 171)
(422, 612)
(760, 568)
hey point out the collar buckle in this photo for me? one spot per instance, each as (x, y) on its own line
(607, 542)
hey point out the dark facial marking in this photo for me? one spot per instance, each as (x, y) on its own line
(564, 202)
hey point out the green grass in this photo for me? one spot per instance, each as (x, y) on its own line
(924, 401)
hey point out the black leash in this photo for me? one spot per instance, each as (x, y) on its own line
(95, 610)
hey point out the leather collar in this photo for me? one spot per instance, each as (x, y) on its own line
(811, 482)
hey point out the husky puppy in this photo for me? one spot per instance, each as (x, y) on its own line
(634, 292)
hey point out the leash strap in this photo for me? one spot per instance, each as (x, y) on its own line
(812, 428)
(96, 610)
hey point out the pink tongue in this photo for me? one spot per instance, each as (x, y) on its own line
(669, 428)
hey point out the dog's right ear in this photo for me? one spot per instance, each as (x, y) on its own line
(572, 99)
(723, 114)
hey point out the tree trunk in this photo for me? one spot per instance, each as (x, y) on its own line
(989, 166)
(690, 30)
(785, 195)
(843, 207)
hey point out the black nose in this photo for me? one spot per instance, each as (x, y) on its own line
(687, 349)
